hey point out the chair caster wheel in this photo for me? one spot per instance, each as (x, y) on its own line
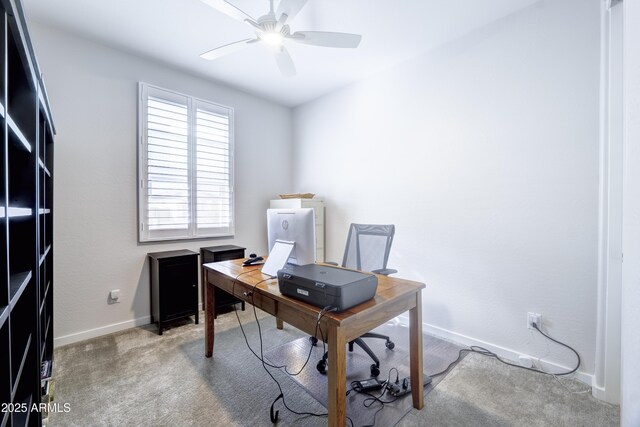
(313, 341)
(390, 345)
(375, 371)
(322, 367)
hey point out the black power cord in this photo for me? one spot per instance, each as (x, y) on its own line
(372, 399)
(483, 351)
(255, 315)
(369, 401)
(535, 326)
(265, 364)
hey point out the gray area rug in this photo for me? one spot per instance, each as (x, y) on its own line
(138, 378)
(437, 354)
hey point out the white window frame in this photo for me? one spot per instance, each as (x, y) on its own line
(192, 232)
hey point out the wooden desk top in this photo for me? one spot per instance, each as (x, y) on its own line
(390, 291)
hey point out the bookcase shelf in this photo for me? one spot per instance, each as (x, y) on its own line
(21, 95)
(17, 370)
(26, 222)
(15, 212)
(20, 140)
(17, 284)
(4, 315)
(44, 255)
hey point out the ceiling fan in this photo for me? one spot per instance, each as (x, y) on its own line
(272, 29)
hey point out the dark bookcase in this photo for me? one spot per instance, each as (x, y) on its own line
(174, 286)
(26, 224)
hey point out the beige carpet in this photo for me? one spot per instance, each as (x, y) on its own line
(481, 391)
(137, 378)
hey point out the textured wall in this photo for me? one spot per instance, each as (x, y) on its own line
(484, 154)
(93, 93)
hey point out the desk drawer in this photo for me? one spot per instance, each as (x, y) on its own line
(264, 302)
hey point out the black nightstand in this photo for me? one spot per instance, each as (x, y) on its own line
(216, 254)
(174, 286)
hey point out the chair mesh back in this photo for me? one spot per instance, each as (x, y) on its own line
(368, 246)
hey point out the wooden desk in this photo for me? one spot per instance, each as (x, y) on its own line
(393, 297)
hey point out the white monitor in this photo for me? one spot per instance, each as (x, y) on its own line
(294, 225)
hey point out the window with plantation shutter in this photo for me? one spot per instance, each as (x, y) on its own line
(185, 167)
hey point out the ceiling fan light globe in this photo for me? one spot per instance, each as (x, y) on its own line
(272, 38)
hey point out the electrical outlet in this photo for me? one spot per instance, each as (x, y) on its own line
(534, 318)
(114, 294)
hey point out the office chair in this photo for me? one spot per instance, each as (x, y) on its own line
(367, 249)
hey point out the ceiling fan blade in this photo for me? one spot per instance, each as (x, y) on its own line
(226, 49)
(290, 8)
(229, 9)
(284, 61)
(326, 39)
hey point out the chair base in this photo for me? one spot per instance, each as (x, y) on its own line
(375, 368)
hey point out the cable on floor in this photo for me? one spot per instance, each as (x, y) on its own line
(372, 399)
(483, 351)
(274, 413)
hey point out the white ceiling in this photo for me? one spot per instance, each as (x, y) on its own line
(177, 31)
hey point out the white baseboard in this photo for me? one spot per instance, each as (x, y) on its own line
(511, 355)
(503, 352)
(103, 330)
(600, 393)
(508, 354)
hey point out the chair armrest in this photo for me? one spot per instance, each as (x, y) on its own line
(385, 271)
(331, 263)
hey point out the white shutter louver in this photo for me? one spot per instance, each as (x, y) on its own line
(186, 167)
(213, 170)
(167, 165)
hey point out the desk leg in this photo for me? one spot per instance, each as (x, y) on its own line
(203, 284)
(279, 323)
(210, 314)
(337, 377)
(415, 349)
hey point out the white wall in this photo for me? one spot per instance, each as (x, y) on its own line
(93, 94)
(484, 154)
(630, 405)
